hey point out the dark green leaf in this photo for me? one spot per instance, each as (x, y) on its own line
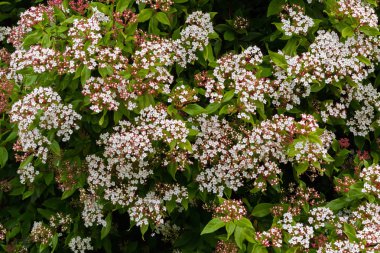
(3, 156)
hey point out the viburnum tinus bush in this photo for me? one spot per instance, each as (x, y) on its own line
(190, 126)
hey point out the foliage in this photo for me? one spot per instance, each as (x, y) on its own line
(189, 126)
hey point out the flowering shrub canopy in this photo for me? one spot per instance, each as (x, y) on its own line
(190, 126)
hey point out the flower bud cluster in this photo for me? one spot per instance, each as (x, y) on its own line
(163, 5)
(28, 19)
(6, 88)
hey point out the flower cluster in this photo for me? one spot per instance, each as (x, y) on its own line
(103, 92)
(4, 32)
(229, 158)
(173, 192)
(270, 238)
(38, 58)
(240, 23)
(27, 174)
(79, 6)
(230, 210)
(60, 221)
(343, 184)
(319, 216)
(41, 233)
(6, 87)
(233, 69)
(163, 5)
(169, 232)
(193, 38)
(92, 211)
(182, 95)
(147, 210)
(226, 247)
(129, 153)
(80, 245)
(28, 19)
(370, 176)
(41, 112)
(294, 21)
(334, 110)
(3, 232)
(359, 10)
(300, 197)
(328, 61)
(214, 89)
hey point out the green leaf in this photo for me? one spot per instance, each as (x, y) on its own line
(239, 236)
(338, 203)
(32, 38)
(172, 169)
(54, 242)
(54, 147)
(122, 5)
(230, 228)
(228, 96)
(370, 31)
(259, 249)
(243, 222)
(317, 87)
(229, 35)
(85, 74)
(68, 193)
(3, 157)
(291, 47)
(212, 226)
(27, 194)
(145, 15)
(211, 108)
(262, 209)
(194, 109)
(347, 32)
(143, 230)
(301, 168)
(180, 1)
(26, 161)
(278, 59)
(364, 60)
(186, 146)
(349, 230)
(275, 7)
(162, 18)
(105, 230)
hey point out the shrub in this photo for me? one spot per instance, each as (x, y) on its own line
(190, 126)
